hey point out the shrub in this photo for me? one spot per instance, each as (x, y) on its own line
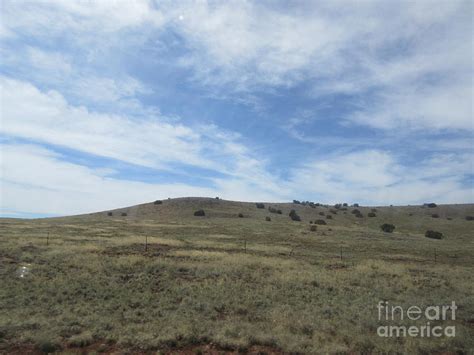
(296, 202)
(435, 215)
(337, 205)
(313, 228)
(268, 219)
(158, 202)
(273, 210)
(320, 222)
(345, 204)
(294, 216)
(310, 222)
(333, 211)
(328, 216)
(356, 211)
(321, 213)
(387, 228)
(374, 210)
(241, 215)
(359, 215)
(355, 205)
(312, 205)
(217, 197)
(110, 214)
(469, 218)
(48, 347)
(124, 214)
(430, 205)
(433, 235)
(260, 205)
(199, 213)
(449, 218)
(371, 214)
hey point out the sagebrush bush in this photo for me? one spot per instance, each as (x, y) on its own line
(356, 211)
(268, 219)
(274, 210)
(433, 235)
(320, 221)
(260, 205)
(124, 214)
(469, 218)
(321, 213)
(313, 228)
(373, 210)
(431, 205)
(110, 214)
(241, 215)
(359, 215)
(296, 202)
(387, 227)
(199, 213)
(435, 215)
(371, 214)
(294, 216)
(158, 202)
(328, 216)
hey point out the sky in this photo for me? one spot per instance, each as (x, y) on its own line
(106, 104)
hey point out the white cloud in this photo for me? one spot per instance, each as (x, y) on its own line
(152, 141)
(35, 180)
(377, 177)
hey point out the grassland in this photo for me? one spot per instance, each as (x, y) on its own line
(162, 280)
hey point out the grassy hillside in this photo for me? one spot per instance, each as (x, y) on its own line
(162, 279)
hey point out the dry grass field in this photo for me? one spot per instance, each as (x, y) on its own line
(161, 280)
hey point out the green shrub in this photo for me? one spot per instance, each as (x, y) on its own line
(158, 202)
(371, 214)
(274, 210)
(356, 211)
(430, 205)
(260, 205)
(241, 215)
(199, 213)
(124, 214)
(268, 219)
(320, 222)
(469, 218)
(294, 216)
(328, 216)
(435, 215)
(434, 235)
(387, 228)
(321, 213)
(313, 228)
(110, 214)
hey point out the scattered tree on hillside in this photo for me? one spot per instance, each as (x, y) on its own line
(294, 216)
(388, 228)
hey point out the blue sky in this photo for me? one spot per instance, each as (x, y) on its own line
(112, 103)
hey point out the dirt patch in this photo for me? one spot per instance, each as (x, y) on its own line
(152, 249)
(105, 348)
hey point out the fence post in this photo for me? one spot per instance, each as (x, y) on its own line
(47, 239)
(435, 255)
(245, 246)
(341, 253)
(146, 243)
